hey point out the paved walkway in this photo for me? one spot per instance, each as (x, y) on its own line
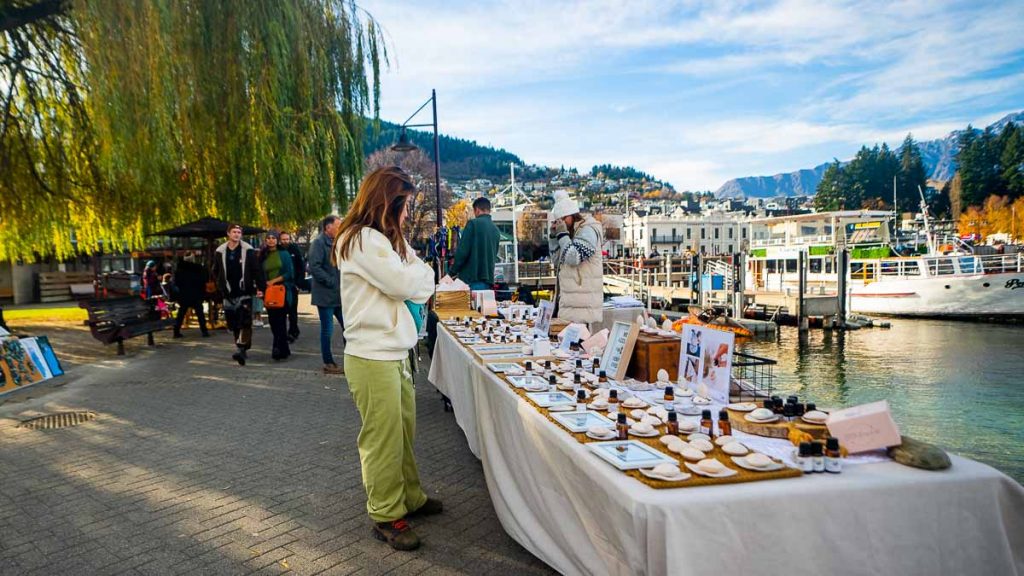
(198, 466)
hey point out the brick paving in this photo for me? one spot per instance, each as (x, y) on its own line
(198, 466)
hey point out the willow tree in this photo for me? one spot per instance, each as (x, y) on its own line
(121, 117)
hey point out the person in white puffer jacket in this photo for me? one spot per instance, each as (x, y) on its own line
(575, 244)
(382, 281)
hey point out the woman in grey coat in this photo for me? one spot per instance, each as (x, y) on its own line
(326, 289)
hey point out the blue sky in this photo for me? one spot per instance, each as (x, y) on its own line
(700, 92)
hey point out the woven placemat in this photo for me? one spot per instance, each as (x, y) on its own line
(742, 475)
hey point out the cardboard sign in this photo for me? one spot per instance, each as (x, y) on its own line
(619, 350)
(865, 427)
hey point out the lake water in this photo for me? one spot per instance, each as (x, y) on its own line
(959, 385)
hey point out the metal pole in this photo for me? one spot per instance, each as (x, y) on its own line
(842, 263)
(802, 283)
(437, 181)
(515, 236)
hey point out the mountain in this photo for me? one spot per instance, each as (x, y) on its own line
(938, 157)
(460, 159)
(799, 183)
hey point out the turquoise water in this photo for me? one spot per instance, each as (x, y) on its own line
(959, 385)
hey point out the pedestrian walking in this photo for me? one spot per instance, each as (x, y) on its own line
(150, 281)
(575, 244)
(300, 282)
(276, 265)
(326, 289)
(238, 276)
(189, 289)
(382, 279)
(478, 249)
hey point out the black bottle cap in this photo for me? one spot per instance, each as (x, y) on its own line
(581, 395)
(769, 404)
(622, 417)
(613, 394)
(547, 364)
(810, 406)
(576, 378)
(597, 362)
(816, 449)
(579, 363)
(791, 400)
(723, 414)
(551, 379)
(602, 374)
(672, 416)
(705, 415)
(669, 391)
(529, 365)
(805, 449)
(832, 443)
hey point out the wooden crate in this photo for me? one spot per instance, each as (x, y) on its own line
(652, 353)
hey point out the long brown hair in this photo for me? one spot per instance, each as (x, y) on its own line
(378, 205)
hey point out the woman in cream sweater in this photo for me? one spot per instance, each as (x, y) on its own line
(379, 274)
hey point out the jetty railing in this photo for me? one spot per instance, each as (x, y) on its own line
(753, 377)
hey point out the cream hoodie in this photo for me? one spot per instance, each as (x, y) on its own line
(375, 283)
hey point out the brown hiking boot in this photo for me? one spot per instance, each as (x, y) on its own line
(397, 534)
(429, 508)
(333, 369)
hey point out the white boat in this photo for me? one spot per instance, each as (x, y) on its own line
(966, 286)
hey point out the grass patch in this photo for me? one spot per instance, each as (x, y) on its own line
(28, 315)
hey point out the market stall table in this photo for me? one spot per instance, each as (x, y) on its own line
(582, 516)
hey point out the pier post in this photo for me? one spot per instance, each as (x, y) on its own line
(842, 263)
(802, 290)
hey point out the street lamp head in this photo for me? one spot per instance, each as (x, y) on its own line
(403, 144)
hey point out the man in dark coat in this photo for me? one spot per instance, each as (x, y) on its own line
(238, 274)
(299, 267)
(478, 249)
(326, 288)
(190, 288)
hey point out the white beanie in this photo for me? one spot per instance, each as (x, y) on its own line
(564, 206)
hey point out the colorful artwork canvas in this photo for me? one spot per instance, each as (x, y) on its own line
(17, 367)
(31, 347)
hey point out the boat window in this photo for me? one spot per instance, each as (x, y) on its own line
(790, 265)
(940, 266)
(910, 268)
(815, 265)
(969, 265)
(771, 268)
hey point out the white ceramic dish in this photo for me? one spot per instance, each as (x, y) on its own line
(743, 406)
(774, 418)
(610, 436)
(724, 474)
(741, 461)
(652, 434)
(649, 472)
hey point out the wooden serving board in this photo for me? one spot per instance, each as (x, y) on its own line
(777, 429)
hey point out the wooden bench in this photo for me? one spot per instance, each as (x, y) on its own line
(117, 319)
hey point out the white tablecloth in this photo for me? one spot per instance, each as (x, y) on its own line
(581, 516)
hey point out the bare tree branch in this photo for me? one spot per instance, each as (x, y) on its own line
(12, 18)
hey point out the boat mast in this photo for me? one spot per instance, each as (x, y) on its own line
(929, 240)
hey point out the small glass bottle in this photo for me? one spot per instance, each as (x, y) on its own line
(602, 378)
(552, 381)
(670, 398)
(576, 381)
(579, 364)
(597, 366)
(818, 457)
(581, 401)
(621, 427)
(547, 365)
(724, 426)
(810, 407)
(707, 425)
(529, 367)
(778, 404)
(803, 459)
(833, 458)
(792, 400)
(673, 422)
(769, 404)
(613, 400)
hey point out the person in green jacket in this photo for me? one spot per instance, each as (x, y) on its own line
(478, 249)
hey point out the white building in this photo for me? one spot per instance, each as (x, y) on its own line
(715, 233)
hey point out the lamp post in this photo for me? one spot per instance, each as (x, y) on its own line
(404, 145)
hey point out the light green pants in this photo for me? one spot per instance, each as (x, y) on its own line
(384, 394)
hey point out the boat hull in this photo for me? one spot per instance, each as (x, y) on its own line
(971, 296)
